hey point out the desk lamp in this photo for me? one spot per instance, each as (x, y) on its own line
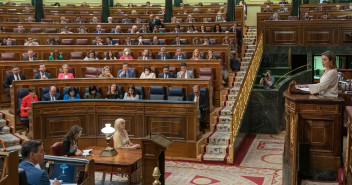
(108, 151)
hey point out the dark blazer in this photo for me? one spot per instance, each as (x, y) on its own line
(113, 42)
(5, 44)
(66, 148)
(34, 175)
(114, 31)
(159, 43)
(37, 75)
(9, 78)
(23, 31)
(153, 23)
(141, 31)
(46, 97)
(238, 33)
(174, 43)
(101, 31)
(79, 21)
(203, 105)
(182, 57)
(27, 58)
(130, 73)
(167, 56)
(132, 43)
(170, 75)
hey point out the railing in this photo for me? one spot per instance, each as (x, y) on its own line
(243, 95)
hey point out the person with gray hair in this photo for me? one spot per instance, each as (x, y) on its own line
(201, 100)
(163, 55)
(33, 154)
(275, 17)
(267, 80)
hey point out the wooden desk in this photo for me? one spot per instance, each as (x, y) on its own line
(264, 16)
(126, 161)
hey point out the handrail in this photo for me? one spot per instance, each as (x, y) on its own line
(243, 96)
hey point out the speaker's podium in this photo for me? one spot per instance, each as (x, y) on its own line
(153, 155)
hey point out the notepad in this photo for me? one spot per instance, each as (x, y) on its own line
(86, 152)
(304, 89)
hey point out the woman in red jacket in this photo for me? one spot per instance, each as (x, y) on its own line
(27, 101)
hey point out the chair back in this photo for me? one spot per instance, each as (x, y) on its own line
(140, 92)
(176, 94)
(20, 95)
(57, 149)
(157, 93)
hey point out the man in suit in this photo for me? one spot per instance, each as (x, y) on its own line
(134, 29)
(52, 95)
(184, 73)
(110, 42)
(117, 29)
(8, 41)
(20, 29)
(156, 41)
(201, 100)
(163, 55)
(99, 30)
(144, 29)
(128, 41)
(238, 32)
(15, 75)
(145, 55)
(78, 20)
(125, 72)
(30, 56)
(154, 21)
(177, 29)
(33, 154)
(177, 41)
(166, 73)
(179, 55)
(42, 75)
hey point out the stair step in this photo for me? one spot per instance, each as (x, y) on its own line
(223, 127)
(214, 157)
(216, 149)
(226, 111)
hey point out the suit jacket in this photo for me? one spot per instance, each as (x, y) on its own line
(37, 75)
(114, 31)
(5, 44)
(189, 74)
(153, 23)
(203, 100)
(170, 75)
(113, 42)
(34, 175)
(46, 97)
(132, 43)
(27, 58)
(174, 43)
(26, 102)
(62, 75)
(9, 78)
(23, 31)
(238, 33)
(130, 73)
(167, 56)
(182, 57)
(159, 43)
(141, 31)
(101, 31)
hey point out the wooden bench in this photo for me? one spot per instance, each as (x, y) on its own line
(341, 14)
(326, 7)
(262, 16)
(276, 7)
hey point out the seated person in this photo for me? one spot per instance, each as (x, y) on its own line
(131, 94)
(174, 20)
(112, 93)
(27, 101)
(206, 41)
(66, 30)
(139, 20)
(30, 56)
(128, 41)
(52, 95)
(184, 73)
(202, 29)
(156, 41)
(275, 17)
(163, 55)
(84, 4)
(120, 137)
(63, 20)
(189, 19)
(110, 42)
(30, 19)
(65, 74)
(126, 54)
(91, 56)
(210, 55)
(125, 72)
(147, 73)
(201, 101)
(196, 55)
(72, 94)
(20, 29)
(56, 55)
(166, 73)
(307, 17)
(117, 29)
(78, 19)
(196, 41)
(145, 55)
(92, 93)
(98, 41)
(177, 29)
(177, 41)
(33, 153)
(282, 8)
(42, 73)
(267, 80)
(140, 40)
(30, 42)
(8, 41)
(147, 4)
(179, 55)
(95, 20)
(10, 3)
(134, 29)
(217, 28)
(110, 19)
(283, 2)
(325, 16)
(126, 20)
(191, 29)
(82, 30)
(144, 29)
(220, 18)
(110, 55)
(267, 9)
(156, 29)
(105, 73)
(70, 141)
(268, 2)
(52, 42)
(99, 29)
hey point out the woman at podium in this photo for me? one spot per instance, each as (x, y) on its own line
(70, 143)
(328, 84)
(120, 137)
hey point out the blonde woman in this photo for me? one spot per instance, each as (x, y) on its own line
(174, 20)
(196, 55)
(65, 74)
(126, 54)
(120, 137)
(106, 73)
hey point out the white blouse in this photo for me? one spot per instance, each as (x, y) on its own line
(328, 85)
(151, 75)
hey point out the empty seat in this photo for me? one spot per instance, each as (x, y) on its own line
(341, 17)
(70, 5)
(140, 92)
(82, 42)
(9, 57)
(91, 72)
(83, 12)
(156, 5)
(57, 149)
(65, 90)
(69, 12)
(46, 20)
(66, 41)
(176, 94)
(25, 4)
(212, 41)
(292, 18)
(157, 93)
(206, 73)
(13, 19)
(36, 30)
(11, 10)
(77, 56)
(50, 30)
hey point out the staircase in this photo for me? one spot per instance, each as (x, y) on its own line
(216, 147)
(11, 142)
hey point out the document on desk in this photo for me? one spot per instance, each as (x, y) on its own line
(304, 89)
(86, 152)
